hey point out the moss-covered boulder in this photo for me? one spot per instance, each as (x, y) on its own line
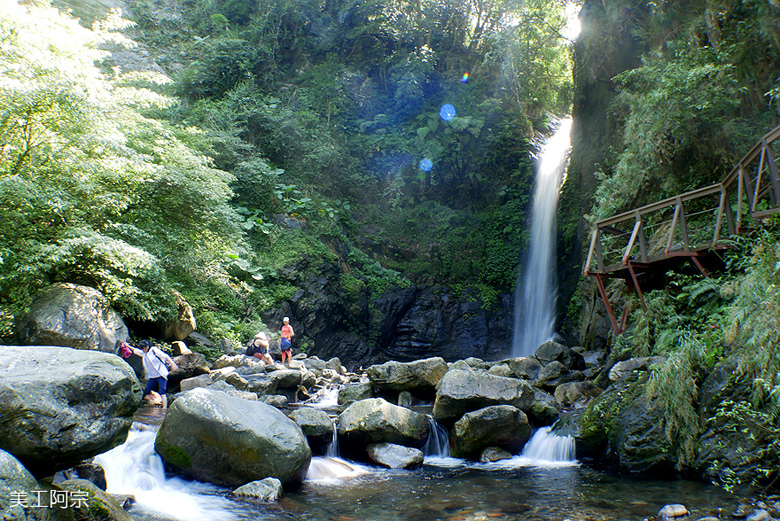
(215, 437)
(91, 503)
(625, 428)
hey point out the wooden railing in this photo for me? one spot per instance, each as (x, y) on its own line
(692, 222)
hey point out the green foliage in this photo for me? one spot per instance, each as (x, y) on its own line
(676, 384)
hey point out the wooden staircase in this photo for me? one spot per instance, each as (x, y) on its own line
(690, 225)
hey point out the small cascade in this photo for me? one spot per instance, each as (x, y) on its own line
(325, 398)
(134, 468)
(333, 469)
(438, 444)
(332, 450)
(546, 445)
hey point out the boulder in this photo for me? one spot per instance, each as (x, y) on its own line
(355, 392)
(215, 437)
(553, 351)
(95, 501)
(203, 380)
(460, 392)
(316, 425)
(74, 316)
(576, 394)
(501, 370)
(394, 456)
(376, 421)
(502, 426)
(60, 406)
(275, 400)
(525, 367)
(223, 386)
(181, 327)
(623, 427)
(286, 378)
(16, 484)
(626, 367)
(266, 490)
(419, 377)
(491, 454)
(261, 384)
(675, 510)
(190, 365)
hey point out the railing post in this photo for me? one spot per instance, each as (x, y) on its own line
(683, 225)
(740, 187)
(719, 218)
(773, 176)
(593, 240)
(671, 231)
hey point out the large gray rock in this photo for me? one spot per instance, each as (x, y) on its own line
(229, 441)
(74, 316)
(375, 421)
(59, 406)
(460, 392)
(95, 500)
(316, 425)
(418, 377)
(266, 490)
(500, 426)
(395, 456)
(525, 367)
(355, 392)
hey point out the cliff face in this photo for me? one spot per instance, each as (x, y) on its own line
(604, 49)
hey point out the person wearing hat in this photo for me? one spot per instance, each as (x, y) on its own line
(157, 365)
(258, 347)
(286, 342)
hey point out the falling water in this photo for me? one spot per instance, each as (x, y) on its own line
(332, 450)
(548, 446)
(438, 444)
(535, 297)
(134, 468)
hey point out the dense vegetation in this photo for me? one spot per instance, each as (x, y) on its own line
(281, 131)
(705, 89)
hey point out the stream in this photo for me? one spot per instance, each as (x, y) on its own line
(542, 483)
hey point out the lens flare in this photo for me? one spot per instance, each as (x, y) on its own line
(426, 165)
(447, 112)
(465, 77)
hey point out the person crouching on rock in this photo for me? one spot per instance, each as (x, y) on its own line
(156, 365)
(286, 342)
(258, 347)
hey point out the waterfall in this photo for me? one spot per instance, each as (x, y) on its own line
(134, 468)
(332, 450)
(438, 443)
(548, 446)
(535, 296)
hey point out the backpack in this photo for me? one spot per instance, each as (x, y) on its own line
(250, 348)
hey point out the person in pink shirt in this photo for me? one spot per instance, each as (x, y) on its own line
(286, 342)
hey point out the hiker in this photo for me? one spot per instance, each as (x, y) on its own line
(286, 342)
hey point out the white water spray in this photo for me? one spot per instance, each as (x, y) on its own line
(535, 296)
(134, 468)
(438, 443)
(548, 446)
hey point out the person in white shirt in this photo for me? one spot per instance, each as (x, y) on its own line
(156, 366)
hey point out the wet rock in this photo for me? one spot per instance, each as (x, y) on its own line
(316, 425)
(61, 406)
(671, 511)
(95, 501)
(492, 454)
(355, 392)
(228, 441)
(460, 392)
(70, 315)
(759, 515)
(622, 369)
(502, 426)
(419, 377)
(376, 421)
(267, 490)
(394, 456)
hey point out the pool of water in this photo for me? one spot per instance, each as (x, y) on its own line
(442, 489)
